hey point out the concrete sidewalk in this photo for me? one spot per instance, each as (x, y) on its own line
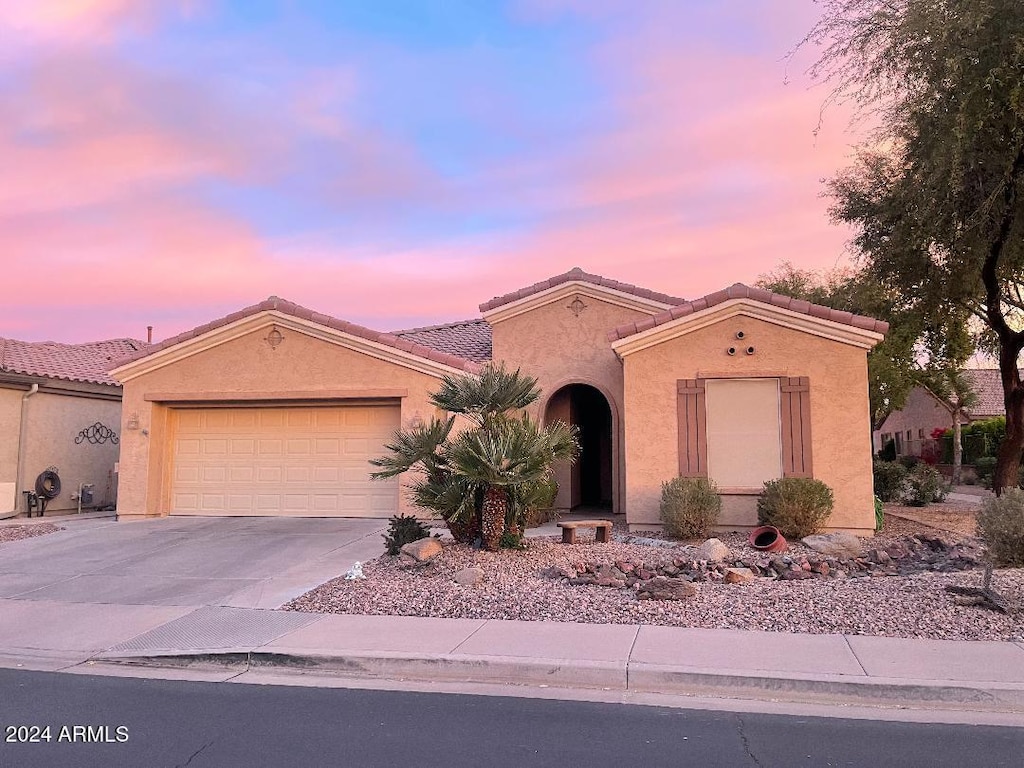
(223, 642)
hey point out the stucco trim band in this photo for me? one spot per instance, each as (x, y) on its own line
(320, 394)
(573, 288)
(786, 318)
(281, 321)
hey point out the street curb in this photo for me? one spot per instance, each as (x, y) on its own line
(635, 677)
(844, 689)
(554, 673)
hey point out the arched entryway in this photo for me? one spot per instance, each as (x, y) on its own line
(590, 481)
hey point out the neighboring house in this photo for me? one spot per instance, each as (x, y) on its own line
(276, 409)
(60, 409)
(911, 427)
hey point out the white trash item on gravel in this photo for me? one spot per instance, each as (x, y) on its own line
(355, 572)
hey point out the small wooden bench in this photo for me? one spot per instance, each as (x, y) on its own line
(602, 529)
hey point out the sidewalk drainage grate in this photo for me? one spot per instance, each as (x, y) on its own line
(213, 628)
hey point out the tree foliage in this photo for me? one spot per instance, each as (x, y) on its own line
(935, 195)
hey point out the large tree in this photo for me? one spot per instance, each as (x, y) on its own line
(912, 353)
(935, 195)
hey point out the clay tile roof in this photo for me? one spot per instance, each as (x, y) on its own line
(469, 339)
(577, 274)
(275, 303)
(71, 362)
(741, 291)
(988, 387)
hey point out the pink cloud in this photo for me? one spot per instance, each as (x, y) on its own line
(85, 20)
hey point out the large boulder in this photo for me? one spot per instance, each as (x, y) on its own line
(840, 545)
(713, 550)
(422, 550)
(664, 588)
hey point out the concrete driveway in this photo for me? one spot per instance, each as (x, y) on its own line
(185, 561)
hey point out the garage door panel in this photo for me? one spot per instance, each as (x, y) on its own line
(301, 461)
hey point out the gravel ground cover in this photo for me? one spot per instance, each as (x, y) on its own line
(513, 588)
(26, 531)
(956, 518)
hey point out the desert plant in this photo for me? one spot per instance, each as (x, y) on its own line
(797, 506)
(1001, 527)
(925, 485)
(689, 507)
(985, 468)
(889, 479)
(540, 508)
(484, 479)
(879, 514)
(403, 529)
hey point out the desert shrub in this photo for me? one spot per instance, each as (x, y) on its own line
(879, 514)
(909, 461)
(925, 485)
(540, 508)
(985, 468)
(889, 479)
(1001, 527)
(689, 507)
(401, 530)
(797, 506)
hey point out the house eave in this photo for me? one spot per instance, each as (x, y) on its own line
(573, 288)
(816, 326)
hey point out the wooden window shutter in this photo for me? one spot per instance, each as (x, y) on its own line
(796, 426)
(692, 419)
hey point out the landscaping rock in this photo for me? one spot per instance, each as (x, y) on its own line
(739, 575)
(468, 577)
(713, 550)
(837, 544)
(663, 588)
(422, 550)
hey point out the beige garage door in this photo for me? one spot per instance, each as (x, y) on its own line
(300, 462)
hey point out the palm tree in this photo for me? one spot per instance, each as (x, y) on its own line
(484, 478)
(508, 460)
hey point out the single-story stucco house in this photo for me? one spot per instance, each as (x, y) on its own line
(59, 409)
(276, 409)
(910, 428)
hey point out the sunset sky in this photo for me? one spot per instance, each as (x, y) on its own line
(396, 162)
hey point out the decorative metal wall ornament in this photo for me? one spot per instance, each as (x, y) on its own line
(274, 338)
(97, 434)
(577, 306)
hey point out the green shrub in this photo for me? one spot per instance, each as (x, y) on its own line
(797, 506)
(879, 514)
(924, 486)
(539, 508)
(909, 461)
(889, 479)
(689, 507)
(985, 468)
(401, 530)
(1001, 527)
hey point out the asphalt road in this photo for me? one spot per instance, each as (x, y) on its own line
(170, 723)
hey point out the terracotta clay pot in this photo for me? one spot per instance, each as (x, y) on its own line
(768, 539)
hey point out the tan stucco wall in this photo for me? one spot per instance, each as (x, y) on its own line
(53, 421)
(246, 365)
(840, 425)
(920, 412)
(10, 425)
(558, 347)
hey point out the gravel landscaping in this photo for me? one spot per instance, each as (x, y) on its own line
(26, 531)
(521, 585)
